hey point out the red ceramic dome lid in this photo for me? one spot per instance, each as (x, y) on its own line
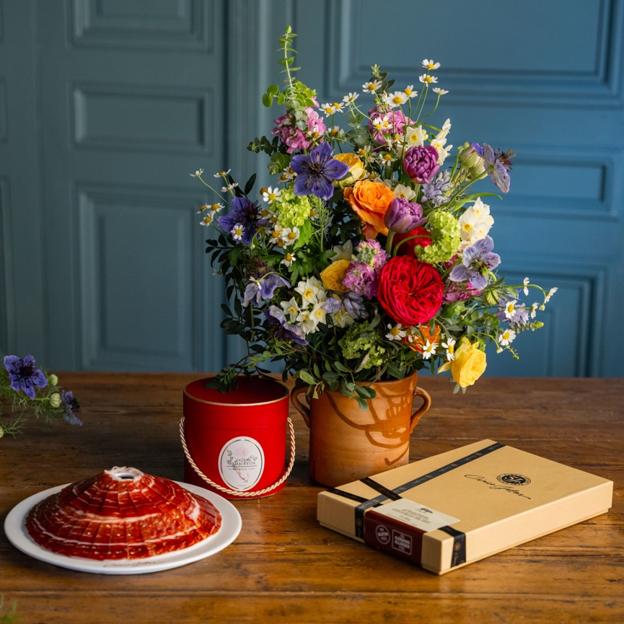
(122, 513)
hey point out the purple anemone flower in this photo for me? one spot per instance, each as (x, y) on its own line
(277, 319)
(316, 171)
(24, 376)
(476, 258)
(70, 407)
(262, 289)
(497, 165)
(242, 212)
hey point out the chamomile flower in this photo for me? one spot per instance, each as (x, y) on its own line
(198, 173)
(427, 79)
(449, 345)
(506, 337)
(221, 174)
(510, 309)
(410, 91)
(525, 283)
(404, 192)
(549, 294)
(237, 232)
(270, 194)
(290, 235)
(429, 349)
(386, 157)
(395, 332)
(439, 92)
(203, 208)
(276, 234)
(416, 136)
(288, 259)
(430, 64)
(216, 207)
(382, 124)
(398, 98)
(228, 188)
(206, 220)
(371, 87)
(350, 98)
(335, 132)
(329, 109)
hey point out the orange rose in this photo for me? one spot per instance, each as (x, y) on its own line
(416, 341)
(370, 201)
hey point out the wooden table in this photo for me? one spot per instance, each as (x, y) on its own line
(284, 567)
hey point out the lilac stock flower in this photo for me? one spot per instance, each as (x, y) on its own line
(263, 289)
(372, 253)
(497, 164)
(242, 212)
(435, 191)
(283, 329)
(403, 215)
(24, 376)
(70, 407)
(294, 137)
(354, 305)
(316, 171)
(475, 259)
(361, 278)
(421, 163)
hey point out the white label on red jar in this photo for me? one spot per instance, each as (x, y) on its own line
(241, 463)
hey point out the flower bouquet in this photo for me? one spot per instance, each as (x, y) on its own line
(368, 258)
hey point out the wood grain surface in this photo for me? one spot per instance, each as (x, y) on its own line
(284, 567)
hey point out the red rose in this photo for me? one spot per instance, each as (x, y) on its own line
(410, 291)
(422, 238)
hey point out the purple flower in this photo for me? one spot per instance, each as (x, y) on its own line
(436, 191)
(361, 278)
(475, 260)
(372, 253)
(263, 289)
(242, 212)
(421, 163)
(332, 304)
(316, 170)
(294, 137)
(70, 407)
(24, 376)
(497, 165)
(354, 305)
(397, 124)
(277, 320)
(403, 215)
(456, 291)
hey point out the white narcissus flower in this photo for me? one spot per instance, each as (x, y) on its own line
(475, 223)
(405, 192)
(311, 290)
(291, 308)
(318, 313)
(416, 136)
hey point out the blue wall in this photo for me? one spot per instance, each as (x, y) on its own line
(105, 106)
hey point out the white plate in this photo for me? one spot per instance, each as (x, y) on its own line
(15, 529)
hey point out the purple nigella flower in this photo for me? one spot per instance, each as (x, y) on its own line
(316, 170)
(276, 318)
(361, 278)
(435, 191)
(242, 212)
(71, 406)
(403, 215)
(263, 289)
(476, 258)
(497, 165)
(24, 376)
(421, 163)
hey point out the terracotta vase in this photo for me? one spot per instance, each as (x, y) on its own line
(348, 442)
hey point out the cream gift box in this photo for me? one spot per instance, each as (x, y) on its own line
(451, 509)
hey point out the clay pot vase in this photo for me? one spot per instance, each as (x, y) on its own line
(348, 442)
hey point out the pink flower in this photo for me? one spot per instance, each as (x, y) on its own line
(316, 125)
(421, 163)
(295, 138)
(397, 124)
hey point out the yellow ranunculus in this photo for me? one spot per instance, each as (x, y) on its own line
(332, 275)
(356, 168)
(469, 364)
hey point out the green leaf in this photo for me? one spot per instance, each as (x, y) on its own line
(306, 377)
(250, 183)
(267, 100)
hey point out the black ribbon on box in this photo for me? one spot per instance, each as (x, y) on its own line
(459, 538)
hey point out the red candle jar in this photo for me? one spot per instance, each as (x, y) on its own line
(237, 439)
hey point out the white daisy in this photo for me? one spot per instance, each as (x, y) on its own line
(372, 86)
(395, 332)
(288, 259)
(430, 64)
(350, 98)
(449, 345)
(427, 79)
(198, 173)
(507, 337)
(510, 309)
(410, 91)
(429, 349)
(439, 91)
(237, 232)
(398, 98)
(329, 109)
(206, 220)
(216, 207)
(290, 235)
(525, 283)
(270, 194)
(276, 234)
(221, 174)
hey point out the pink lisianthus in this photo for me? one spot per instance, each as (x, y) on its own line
(397, 120)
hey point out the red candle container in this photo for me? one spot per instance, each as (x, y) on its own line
(237, 439)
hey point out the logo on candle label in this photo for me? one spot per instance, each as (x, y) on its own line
(241, 463)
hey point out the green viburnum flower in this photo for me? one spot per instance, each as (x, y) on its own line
(359, 343)
(291, 210)
(444, 229)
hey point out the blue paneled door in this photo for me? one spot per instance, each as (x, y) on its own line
(107, 105)
(543, 78)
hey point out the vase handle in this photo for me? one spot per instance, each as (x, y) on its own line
(299, 405)
(423, 409)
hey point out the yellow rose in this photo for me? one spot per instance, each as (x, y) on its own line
(332, 275)
(356, 168)
(469, 364)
